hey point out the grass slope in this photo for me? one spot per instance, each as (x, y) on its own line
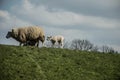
(27, 63)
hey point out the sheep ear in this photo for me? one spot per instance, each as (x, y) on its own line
(12, 30)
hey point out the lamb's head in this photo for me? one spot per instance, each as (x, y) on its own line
(9, 34)
(49, 38)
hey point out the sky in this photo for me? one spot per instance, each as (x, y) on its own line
(95, 20)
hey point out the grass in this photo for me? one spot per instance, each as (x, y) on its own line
(30, 63)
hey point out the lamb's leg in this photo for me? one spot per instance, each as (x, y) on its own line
(59, 46)
(53, 45)
(62, 45)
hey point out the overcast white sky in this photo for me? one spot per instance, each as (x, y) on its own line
(95, 20)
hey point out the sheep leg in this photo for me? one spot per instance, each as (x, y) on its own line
(20, 44)
(25, 44)
(37, 43)
(43, 44)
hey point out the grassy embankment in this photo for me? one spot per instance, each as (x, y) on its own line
(27, 63)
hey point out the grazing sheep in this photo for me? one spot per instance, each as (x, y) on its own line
(27, 34)
(59, 39)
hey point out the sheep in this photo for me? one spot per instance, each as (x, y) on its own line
(56, 39)
(27, 34)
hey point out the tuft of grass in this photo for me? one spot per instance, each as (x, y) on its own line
(31, 63)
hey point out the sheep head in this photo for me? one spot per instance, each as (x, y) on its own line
(9, 34)
(12, 33)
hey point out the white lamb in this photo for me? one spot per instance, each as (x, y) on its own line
(56, 39)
